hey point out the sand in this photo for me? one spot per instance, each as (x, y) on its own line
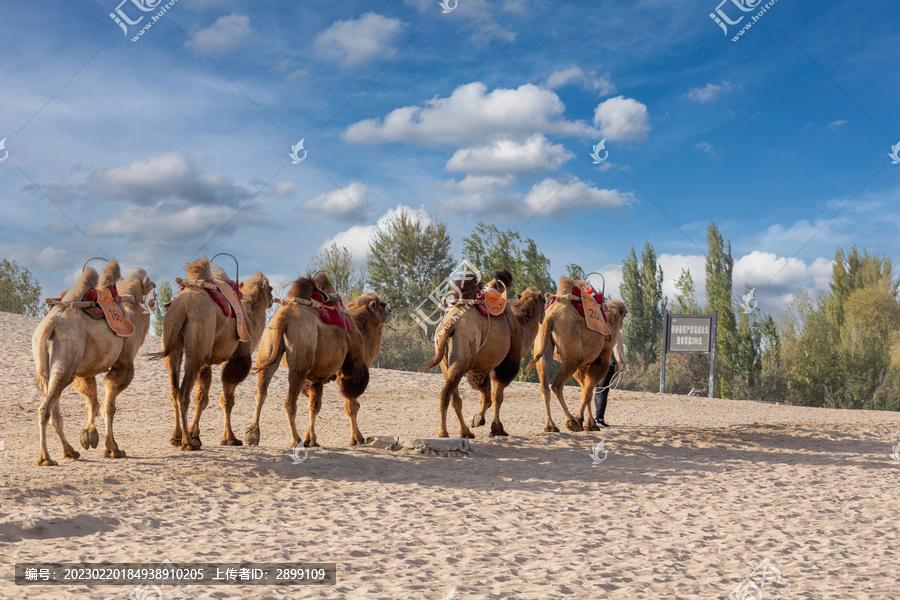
(693, 494)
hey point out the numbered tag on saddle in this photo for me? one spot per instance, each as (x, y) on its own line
(593, 315)
(228, 292)
(114, 317)
(495, 301)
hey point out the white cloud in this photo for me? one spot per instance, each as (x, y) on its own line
(559, 197)
(532, 156)
(350, 202)
(354, 42)
(225, 35)
(622, 118)
(470, 115)
(835, 125)
(574, 75)
(284, 188)
(708, 149)
(480, 11)
(710, 92)
(357, 238)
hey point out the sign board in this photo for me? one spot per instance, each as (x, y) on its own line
(689, 334)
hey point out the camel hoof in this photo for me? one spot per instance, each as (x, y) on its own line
(311, 445)
(467, 434)
(232, 443)
(574, 426)
(46, 462)
(476, 421)
(107, 453)
(580, 421)
(195, 441)
(498, 430)
(189, 447)
(175, 441)
(89, 438)
(252, 436)
(71, 453)
(591, 426)
(551, 429)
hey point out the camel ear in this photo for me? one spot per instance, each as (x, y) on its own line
(373, 305)
(518, 295)
(147, 283)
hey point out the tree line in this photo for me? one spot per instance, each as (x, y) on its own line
(838, 348)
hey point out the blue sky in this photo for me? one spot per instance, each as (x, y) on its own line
(488, 112)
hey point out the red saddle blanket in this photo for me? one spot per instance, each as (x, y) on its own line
(334, 315)
(95, 310)
(576, 291)
(220, 299)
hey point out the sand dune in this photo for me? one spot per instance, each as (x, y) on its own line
(693, 494)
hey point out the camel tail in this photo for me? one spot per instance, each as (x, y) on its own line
(539, 347)
(270, 354)
(42, 355)
(439, 354)
(173, 323)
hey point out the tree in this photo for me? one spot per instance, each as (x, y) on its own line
(20, 292)
(407, 259)
(719, 267)
(685, 301)
(350, 279)
(489, 248)
(164, 295)
(641, 291)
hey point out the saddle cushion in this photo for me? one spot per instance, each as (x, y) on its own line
(330, 316)
(95, 310)
(220, 299)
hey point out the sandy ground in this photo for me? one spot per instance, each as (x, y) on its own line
(693, 495)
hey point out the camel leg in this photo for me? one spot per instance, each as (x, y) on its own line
(263, 379)
(233, 373)
(173, 366)
(545, 362)
(452, 377)
(496, 425)
(589, 380)
(51, 400)
(485, 390)
(566, 371)
(191, 371)
(295, 385)
(56, 419)
(351, 407)
(464, 430)
(87, 387)
(201, 401)
(315, 405)
(117, 380)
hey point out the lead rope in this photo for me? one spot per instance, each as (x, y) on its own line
(613, 383)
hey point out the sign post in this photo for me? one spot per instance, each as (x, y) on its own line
(689, 334)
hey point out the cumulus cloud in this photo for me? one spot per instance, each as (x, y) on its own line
(622, 119)
(349, 203)
(357, 41)
(710, 92)
(708, 148)
(225, 35)
(358, 237)
(534, 155)
(574, 75)
(470, 115)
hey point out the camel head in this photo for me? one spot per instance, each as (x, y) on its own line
(257, 291)
(529, 304)
(615, 313)
(371, 312)
(138, 285)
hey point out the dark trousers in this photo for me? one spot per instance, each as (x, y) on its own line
(600, 394)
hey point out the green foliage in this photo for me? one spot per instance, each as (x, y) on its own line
(404, 350)
(719, 267)
(489, 248)
(575, 271)
(406, 260)
(641, 291)
(685, 302)
(164, 295)
(20, 292)
(350, 280)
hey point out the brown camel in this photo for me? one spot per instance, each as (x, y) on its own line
(196, 331)
(72, 347)
(478, 347)
(582, 352)
(315, 352)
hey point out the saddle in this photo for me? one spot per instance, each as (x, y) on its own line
(227, 295)
(331, 310)
(104, 301)
(578, 298)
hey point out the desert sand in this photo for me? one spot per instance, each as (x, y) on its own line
(693, 494)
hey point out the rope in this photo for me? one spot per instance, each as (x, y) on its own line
(617, 378)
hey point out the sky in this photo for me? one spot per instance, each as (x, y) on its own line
(179, 144)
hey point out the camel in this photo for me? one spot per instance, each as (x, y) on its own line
(72, 347)
(468, 343)
(582, 352)
(315, 353)
(197, 332)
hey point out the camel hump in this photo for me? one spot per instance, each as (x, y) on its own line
(302, 288)
(323, 283)
(88, 281)
(199, 269)
(218, 272)
(112, 273)
(567, 285)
